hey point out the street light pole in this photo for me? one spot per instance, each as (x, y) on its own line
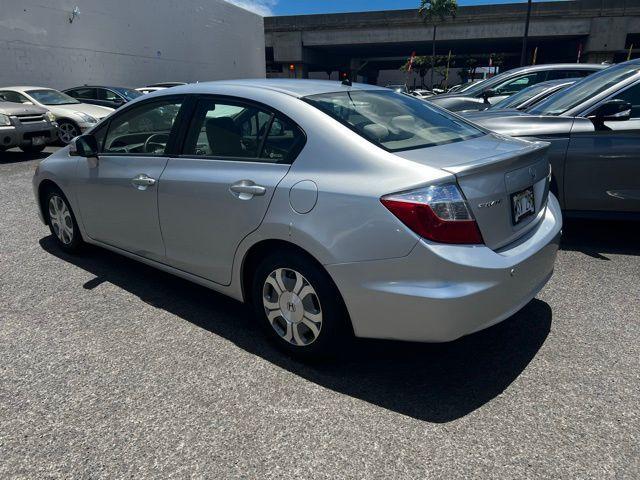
(523, 56)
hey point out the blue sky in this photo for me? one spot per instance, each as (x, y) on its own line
(296, 7)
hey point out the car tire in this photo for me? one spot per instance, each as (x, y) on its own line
(299, 306)
(62, 221)
(33, 148)
(67, 131)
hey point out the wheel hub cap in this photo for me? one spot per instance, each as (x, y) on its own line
(60, 218)
(292, 307)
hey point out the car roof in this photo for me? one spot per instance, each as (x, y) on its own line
(25, 89)
(558, 66)
(94, 86)
(294, 87)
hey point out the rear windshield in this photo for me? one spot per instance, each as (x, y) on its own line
(392, 120)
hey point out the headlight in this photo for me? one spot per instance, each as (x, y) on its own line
(50, 116)
(5, 121)
(87, 118)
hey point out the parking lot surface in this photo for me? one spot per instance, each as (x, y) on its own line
(109, 368)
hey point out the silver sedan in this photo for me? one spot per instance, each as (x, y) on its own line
(333, 209)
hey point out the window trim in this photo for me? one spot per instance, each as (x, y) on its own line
(197, 98)
(173, 134)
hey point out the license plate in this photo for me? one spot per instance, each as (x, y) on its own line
(37, 141)
(523, 205)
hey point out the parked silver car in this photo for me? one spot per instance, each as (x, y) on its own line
(330, 208)
(28, 127)
(72, 117)
(594, 130)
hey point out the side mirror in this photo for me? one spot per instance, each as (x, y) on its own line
(487, 94)
(611, 111)
(84, 146)
(118, 102)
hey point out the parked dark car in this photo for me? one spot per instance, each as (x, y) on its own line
(594, 130)
(484, 94)
(113, 97)
(532, 95)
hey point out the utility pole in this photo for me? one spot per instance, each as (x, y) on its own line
(523, 56)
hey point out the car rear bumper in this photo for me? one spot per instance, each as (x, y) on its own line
(439, 293)
(22, 135)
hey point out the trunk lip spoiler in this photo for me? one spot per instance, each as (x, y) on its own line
(497, 161)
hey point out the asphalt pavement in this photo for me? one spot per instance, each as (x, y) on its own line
(111, 369)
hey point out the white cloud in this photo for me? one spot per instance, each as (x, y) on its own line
(261, 7)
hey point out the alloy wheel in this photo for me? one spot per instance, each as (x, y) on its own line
(292, 307)
(67, 132)
(60, 218)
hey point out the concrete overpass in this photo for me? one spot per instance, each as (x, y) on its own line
(365, 44)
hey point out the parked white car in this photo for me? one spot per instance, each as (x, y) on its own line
(73, 118)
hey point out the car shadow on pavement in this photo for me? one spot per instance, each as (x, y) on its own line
(431, 382)
(599, 238)
(7, 157)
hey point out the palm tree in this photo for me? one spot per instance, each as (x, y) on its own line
(433, 10)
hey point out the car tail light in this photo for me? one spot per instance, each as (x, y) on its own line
(438, 212)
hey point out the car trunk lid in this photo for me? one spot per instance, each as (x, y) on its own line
(495, 173)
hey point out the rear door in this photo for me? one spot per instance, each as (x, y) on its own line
(118, 192)
(602, 171)
(218, 190)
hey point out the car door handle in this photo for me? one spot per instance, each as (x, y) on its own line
(143, 181)
(246, 189)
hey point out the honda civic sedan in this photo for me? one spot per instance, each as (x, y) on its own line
(332, 209)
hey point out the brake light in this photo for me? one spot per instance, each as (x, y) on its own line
(438, 212)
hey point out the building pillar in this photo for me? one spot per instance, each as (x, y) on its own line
(607, 36)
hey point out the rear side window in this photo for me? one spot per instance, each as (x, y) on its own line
(144, 129)
(230, 129)
(394, 121)
(108, 95)
(284, 142)
(89, 93)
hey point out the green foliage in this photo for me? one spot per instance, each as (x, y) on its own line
(432, 10)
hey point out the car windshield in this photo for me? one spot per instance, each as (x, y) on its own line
(128, 93)
(394, 121)
(52, 97)
(586, 89)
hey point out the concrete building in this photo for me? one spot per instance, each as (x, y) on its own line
(64, 43)
(373, 45)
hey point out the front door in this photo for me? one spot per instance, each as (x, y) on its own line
(218, 191)
(602, 170)
(118, 192)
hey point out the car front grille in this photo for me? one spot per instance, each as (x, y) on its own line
(30, 118)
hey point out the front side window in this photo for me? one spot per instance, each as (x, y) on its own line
(394, 121)
(144, 129)
(15, 97)
(631, 95)
(52, 97)
(586, 89)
